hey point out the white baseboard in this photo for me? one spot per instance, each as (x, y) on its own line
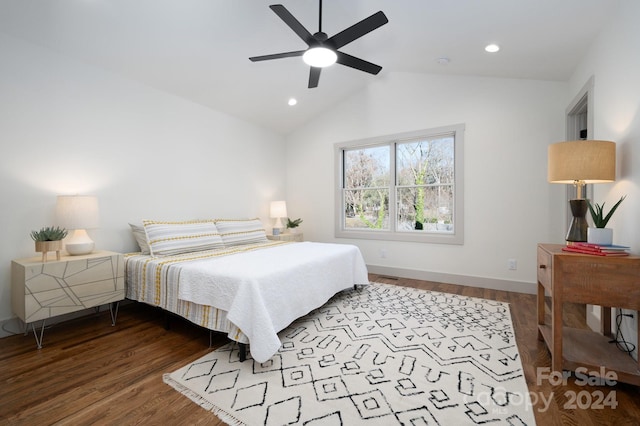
(11, 326)
(490, 283)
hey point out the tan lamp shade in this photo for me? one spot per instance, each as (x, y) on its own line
(584, 161)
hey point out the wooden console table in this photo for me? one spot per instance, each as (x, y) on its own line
(596, 280)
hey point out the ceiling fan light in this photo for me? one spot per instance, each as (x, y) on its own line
(492, 48)
(320, 57)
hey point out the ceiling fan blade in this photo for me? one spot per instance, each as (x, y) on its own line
(355, 31)
(277, 56)
(357, 63)
(314, 77)
(292, 22)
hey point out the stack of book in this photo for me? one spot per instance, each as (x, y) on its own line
(597, 249)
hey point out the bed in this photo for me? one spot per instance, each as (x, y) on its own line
(226, 276)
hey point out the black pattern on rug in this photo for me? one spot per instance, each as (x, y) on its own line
(381, 354)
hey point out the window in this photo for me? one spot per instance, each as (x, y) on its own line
(405, 187)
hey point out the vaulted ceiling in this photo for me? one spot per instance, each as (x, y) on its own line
(199, 49)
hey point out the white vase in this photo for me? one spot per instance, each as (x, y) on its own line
(601, 236)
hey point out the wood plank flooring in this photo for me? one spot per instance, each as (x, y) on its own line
(91, 373)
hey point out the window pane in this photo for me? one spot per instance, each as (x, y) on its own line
(366, 167)
(425, 208)
(366, 208)
(403, 187)
(426, 162)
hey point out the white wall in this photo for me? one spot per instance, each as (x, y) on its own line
(615, 64)
(508, 202)
(69, 128)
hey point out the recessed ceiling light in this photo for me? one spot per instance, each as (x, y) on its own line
(492, 48)
(443, 61)
(292, 101)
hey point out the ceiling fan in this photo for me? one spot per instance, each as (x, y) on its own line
(323, 50)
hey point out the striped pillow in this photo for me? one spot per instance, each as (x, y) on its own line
(237, 232)
(169, 238)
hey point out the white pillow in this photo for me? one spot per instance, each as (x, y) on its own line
(169, 238)
(141, 237)
(237, 232)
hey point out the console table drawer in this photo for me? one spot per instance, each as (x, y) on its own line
(545, 265)
(604, 281)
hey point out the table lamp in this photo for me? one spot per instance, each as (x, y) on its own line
(578, 163)
(278, 211)
(78, 213)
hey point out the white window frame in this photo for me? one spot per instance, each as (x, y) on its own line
(391, 234)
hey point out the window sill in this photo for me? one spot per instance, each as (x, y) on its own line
(418, 237)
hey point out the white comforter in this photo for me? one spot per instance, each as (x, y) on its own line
(263, 291)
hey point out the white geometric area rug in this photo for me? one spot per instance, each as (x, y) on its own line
(378, 355)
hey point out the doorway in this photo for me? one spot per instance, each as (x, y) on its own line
(579, 116)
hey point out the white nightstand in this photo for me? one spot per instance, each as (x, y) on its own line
(41, 290)
(298, 236)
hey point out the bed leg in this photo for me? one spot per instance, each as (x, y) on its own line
(243, 351)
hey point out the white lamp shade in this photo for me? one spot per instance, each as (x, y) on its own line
(278, 209)
(77, 211)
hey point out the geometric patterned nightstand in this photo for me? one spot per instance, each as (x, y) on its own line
(289, 236)
(41, 290)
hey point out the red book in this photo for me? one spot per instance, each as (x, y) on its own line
(585, 247)
(600, 248)
(611, 247)
(575, 249)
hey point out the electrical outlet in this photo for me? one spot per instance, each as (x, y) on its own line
(512, 264)
(383, 253)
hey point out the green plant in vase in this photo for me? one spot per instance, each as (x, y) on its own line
(600, 234)
(49, 239)
(49, 233)
(293, 224)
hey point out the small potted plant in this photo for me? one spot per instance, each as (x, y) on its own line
(600, 234)
(49, 239)
(293, 224)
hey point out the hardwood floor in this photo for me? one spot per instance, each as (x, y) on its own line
(91, 373)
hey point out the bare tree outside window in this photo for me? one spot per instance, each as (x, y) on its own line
(366, 195)
(425, 185)
(406, 187)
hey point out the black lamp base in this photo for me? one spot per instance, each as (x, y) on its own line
(578, 228)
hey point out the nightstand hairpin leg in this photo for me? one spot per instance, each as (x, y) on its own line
(35, 334)
(113, 312)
